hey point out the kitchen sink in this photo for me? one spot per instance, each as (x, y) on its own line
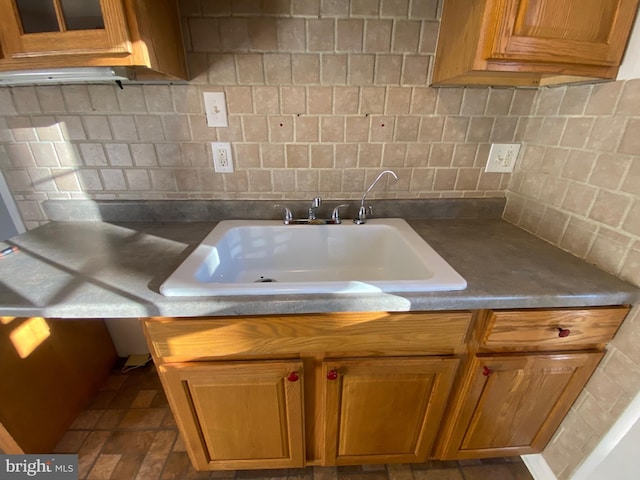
(265, 257)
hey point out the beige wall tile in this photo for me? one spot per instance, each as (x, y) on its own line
(631, 140)
(97, 127)
(259, 180)
(255, 128)
(377, 36)
(579, 198)
(247, 155)
(423, 100)
(222, 69)
(357, 129)
(407, 129)
(293, 100)
(322, 157)
(606, 133)
(632, 220)
(630, 98)
(449, 101)
(431, 129)
(576, 132)
(370, 155)
(50, 99)
(306, 69)
(361, 69)
(398, 100)
(334, 69)
(266, 100)
(575, 100)
(382, 128)
(291, 34)
(334, 8)
(388, 69)
(332, 129)
(609, 171)
(499, 102)
(280, 129)
(250, 68)
(372, 100)
(429, 37)
(549, 100)
(394, 155)
(273, 156)
(307, 129)
(604, 98)
(320, 100)
(277, 69)
(406, 34)
(320, 35)
(345, 100)
(234, 34)
(262, 33)
(394, 8)
(306, 7)
(445, 179)
(415, 70)
(365, 7)
(350, 35)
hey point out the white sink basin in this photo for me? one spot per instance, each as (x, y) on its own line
(265, 257)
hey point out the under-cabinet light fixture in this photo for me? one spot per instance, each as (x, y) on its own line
(66, 75)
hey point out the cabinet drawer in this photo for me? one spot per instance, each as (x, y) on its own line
(552, 329)
(175, 339)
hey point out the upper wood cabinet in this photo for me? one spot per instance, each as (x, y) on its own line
(141, 34)
(531, 42)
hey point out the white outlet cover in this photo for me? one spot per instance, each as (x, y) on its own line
(502, 157)
(216, 109)
(222, 157)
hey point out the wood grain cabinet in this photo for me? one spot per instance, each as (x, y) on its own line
(527, 369)
(366, 387)
(141, 34)
(384, 410)
(531, 42)
(363, 388)
(239, 415)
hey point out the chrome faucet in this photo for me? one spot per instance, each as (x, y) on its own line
(315, 203)
(362, 211)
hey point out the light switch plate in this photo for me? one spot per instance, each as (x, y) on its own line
(216, 109)
(502, 157)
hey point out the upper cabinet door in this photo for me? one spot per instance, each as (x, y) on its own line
(584, 32)
(35, 28)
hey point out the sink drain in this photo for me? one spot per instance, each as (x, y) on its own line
(265, 280)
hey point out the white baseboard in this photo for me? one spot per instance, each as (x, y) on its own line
(538, 467)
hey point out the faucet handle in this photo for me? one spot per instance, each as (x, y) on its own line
(316, 202)
(288, 216)
(335, 215)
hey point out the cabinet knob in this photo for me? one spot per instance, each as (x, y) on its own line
(563, 332)
(486, 371)
(293, 377)
(332, 374)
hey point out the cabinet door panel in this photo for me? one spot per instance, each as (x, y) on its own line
(587, 32)
(513, 404)
(384, 410)
(239, 415)
(35, 35)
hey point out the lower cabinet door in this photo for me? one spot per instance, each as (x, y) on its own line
(383, 410)
(238, 415)
(512, 405)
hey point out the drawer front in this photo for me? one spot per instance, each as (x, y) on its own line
(174, 339)
(553, 329)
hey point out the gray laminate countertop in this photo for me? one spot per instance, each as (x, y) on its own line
(93, 269)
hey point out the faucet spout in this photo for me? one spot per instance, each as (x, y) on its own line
(362, 211)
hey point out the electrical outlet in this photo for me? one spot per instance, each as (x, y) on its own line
(222, 159)
(502, 157)
(216, 109)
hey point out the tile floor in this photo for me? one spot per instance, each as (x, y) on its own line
(128, 433)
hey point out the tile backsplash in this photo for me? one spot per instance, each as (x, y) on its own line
(321, 96)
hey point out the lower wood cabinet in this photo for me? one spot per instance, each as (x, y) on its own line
(512, 405)
(238, 415)
(286, 391)
(383, 410)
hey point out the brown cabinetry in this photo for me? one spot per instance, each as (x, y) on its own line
(368, 387)
(531, 43)
(384, 410)
(239, 415)
(141, 34)
(363, 388)
(526, 370)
